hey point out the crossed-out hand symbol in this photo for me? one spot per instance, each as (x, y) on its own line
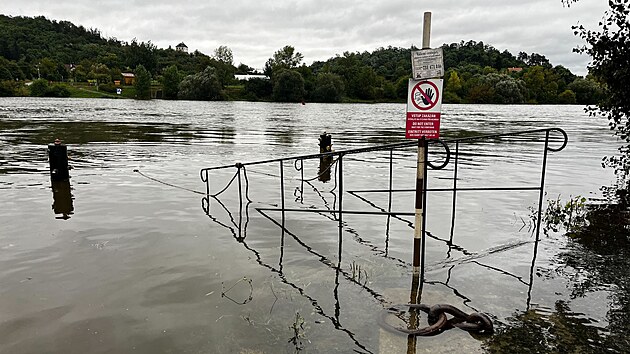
(429, 93)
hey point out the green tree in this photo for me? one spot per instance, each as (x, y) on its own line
(328, 88)
(203, 86)
(508, 90)
(285, 58)
(224, 72)
(243, 69)
(402, 87)
(587, 91)
(39, 88)
(9, 70)
(288, 86)
(567, 97)
(224, 55)
(453, 88)
(143, 83)
(58, 90)
(258, 89)
(10, 88)
(534, 79)
(170, 82)
(609, 49)
(364, 84)
(144, 54)
(101, 73)
(479, 90)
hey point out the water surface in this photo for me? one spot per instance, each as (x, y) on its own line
(134, 265)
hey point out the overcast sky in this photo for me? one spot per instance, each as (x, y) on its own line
(320, 29)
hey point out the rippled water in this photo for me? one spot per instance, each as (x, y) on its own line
(138, 266)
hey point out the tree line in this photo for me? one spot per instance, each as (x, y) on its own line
(60, 52)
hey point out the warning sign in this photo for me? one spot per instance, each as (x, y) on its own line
(427, 63)
(424, 108)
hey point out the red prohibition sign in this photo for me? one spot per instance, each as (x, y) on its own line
(432, 101)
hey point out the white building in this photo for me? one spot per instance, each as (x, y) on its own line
(181, 48)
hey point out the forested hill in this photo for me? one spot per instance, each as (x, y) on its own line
(60, 51)
(31, 39)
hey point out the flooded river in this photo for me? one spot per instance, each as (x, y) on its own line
(131, 256)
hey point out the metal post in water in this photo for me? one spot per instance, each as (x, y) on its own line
(419, 222)
(418, 232)
(58, 161)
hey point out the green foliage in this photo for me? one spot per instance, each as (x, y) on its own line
(587, 91)
(285, 58)
(224, 55)
(11, 88)
(62, 51)
(39, 88)
(224, 72)
(58, 90)
(329, 88)
(243, 69)
(203, 86)
(453, 84)
(110, 88)
(288, 86)
(567, 97)
(401, 87)
(609, 49)
(553, 332)
(477, 53)
(559, 215)
(258, 89)
(144, 54)
(298, 330)
(170, 82)
(143, 83)
(9, 70)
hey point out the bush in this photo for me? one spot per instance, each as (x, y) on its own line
(288, 86)
(567, 97)
(203, 86)
(58, 90)
(258, 89)
(10, 88)
(111, 88)
(39, 88)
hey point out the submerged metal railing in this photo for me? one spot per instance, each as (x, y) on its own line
(450, 151)
(241, 172)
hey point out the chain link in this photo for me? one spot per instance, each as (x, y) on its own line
(437, 319)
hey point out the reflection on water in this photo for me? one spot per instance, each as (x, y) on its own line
(325, 163)
(556, 330)
(140, 269)
(62, 199)
(237, 221)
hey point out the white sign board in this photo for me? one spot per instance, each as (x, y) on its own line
(427, 63)
(424, 108)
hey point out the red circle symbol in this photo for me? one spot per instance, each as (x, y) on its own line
(428, 95)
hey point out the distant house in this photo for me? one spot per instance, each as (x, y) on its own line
(181, 48)
(129, 78)
(247, 77)
(515, 70)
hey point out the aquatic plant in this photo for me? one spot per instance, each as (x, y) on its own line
(298, 332)
(569, 215)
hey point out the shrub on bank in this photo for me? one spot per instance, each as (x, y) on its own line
(41, 88)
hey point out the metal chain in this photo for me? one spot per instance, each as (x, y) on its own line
(437, 319)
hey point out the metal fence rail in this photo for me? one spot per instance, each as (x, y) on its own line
(450, 152)
(338, 162)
